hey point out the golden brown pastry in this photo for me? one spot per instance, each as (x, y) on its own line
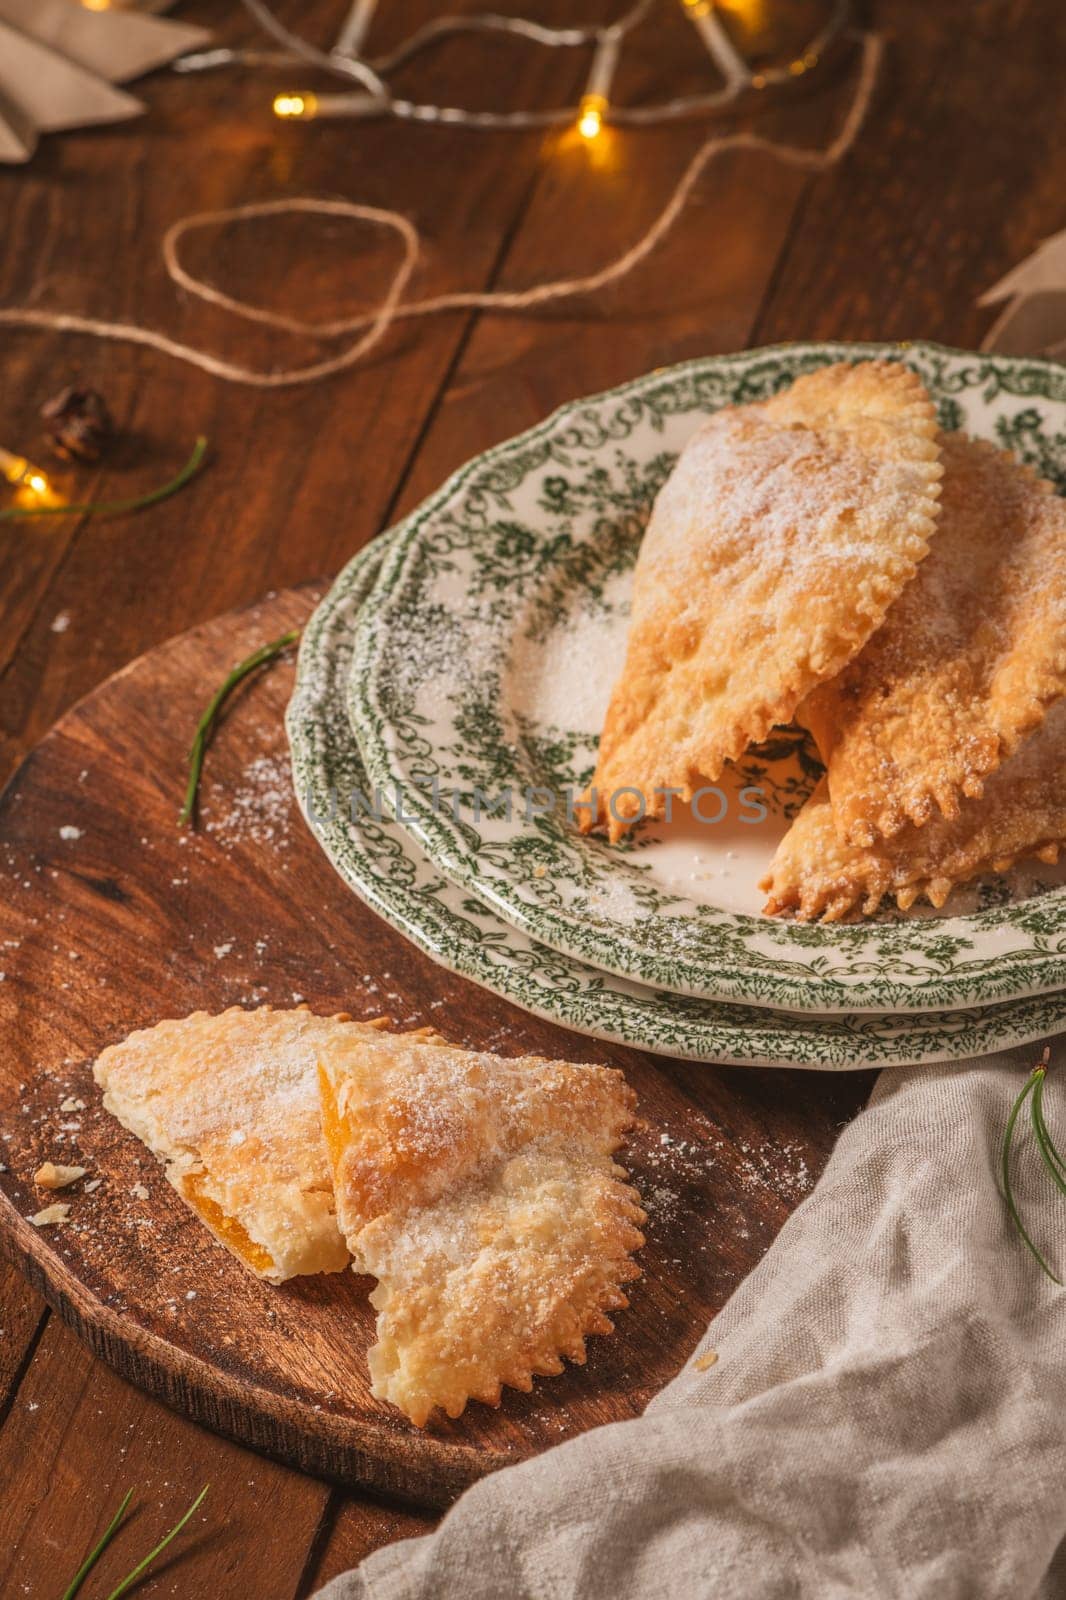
(1021, 813)
(785, 532)
(482, 1194)
(230, 1104)
(967, 662)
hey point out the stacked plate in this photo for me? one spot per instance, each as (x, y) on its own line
(450, 691)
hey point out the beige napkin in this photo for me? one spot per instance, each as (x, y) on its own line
(887, 1416)
(59, 62)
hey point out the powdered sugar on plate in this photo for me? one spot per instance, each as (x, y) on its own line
(565, 679)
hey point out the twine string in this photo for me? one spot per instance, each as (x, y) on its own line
(373, 326)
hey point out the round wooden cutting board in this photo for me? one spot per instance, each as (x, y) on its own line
(112, 917)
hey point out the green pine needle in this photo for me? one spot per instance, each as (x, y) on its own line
(1049, 1154)
(94, 1555)
(115, 508)
(142, 1566)
(206, 725)
(1048, 1149)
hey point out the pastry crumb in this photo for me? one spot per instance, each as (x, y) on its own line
(51, 1215)
(52, 1176)
(707, 1360)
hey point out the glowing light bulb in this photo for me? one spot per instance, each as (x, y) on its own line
(590, 116)
(30, 483)
(293, 106)
(22, 473)
(593, 103)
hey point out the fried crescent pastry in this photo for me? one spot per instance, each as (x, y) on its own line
(230, 1104)
(1021, 813)
(968, 660)
(774, 550)
(482, 1195)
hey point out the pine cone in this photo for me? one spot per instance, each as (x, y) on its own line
(78, 424)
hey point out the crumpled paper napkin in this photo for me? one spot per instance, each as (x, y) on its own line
(60, 62)
(1033, 321)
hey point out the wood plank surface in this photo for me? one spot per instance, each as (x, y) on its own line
(958, 174)
(67, 1405)
(300, 478)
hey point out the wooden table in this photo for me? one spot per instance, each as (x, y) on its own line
(955, 178)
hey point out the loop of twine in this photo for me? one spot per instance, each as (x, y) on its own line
(374, 325)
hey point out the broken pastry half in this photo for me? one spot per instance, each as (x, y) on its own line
(774, 550)
(968, 660)
(1021, 813)
(230, 1105)
(483, 1196)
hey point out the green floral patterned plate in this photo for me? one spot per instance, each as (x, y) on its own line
(383, 864)
(481, 672)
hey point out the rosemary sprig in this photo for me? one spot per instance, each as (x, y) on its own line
(1047, 1147)
(116, 508)
(97, 1551)
(142, 1566)
(206, 726)
(1034, 1087)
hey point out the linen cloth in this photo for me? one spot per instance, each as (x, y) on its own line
(887, 1416)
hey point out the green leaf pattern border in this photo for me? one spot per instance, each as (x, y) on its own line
(382, 864)
(910, 964)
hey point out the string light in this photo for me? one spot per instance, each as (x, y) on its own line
(375, 99)
(590, 120)
(30, 482)
(365, 331)
(295, 105)
(305, 107)
(594, 101)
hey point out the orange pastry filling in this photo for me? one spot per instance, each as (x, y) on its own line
(334, 1130)
(228, 1229)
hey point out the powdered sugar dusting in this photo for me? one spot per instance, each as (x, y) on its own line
(614, 901)
(259, 810)
(783, 509)
(424, 657)
(565, 680)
